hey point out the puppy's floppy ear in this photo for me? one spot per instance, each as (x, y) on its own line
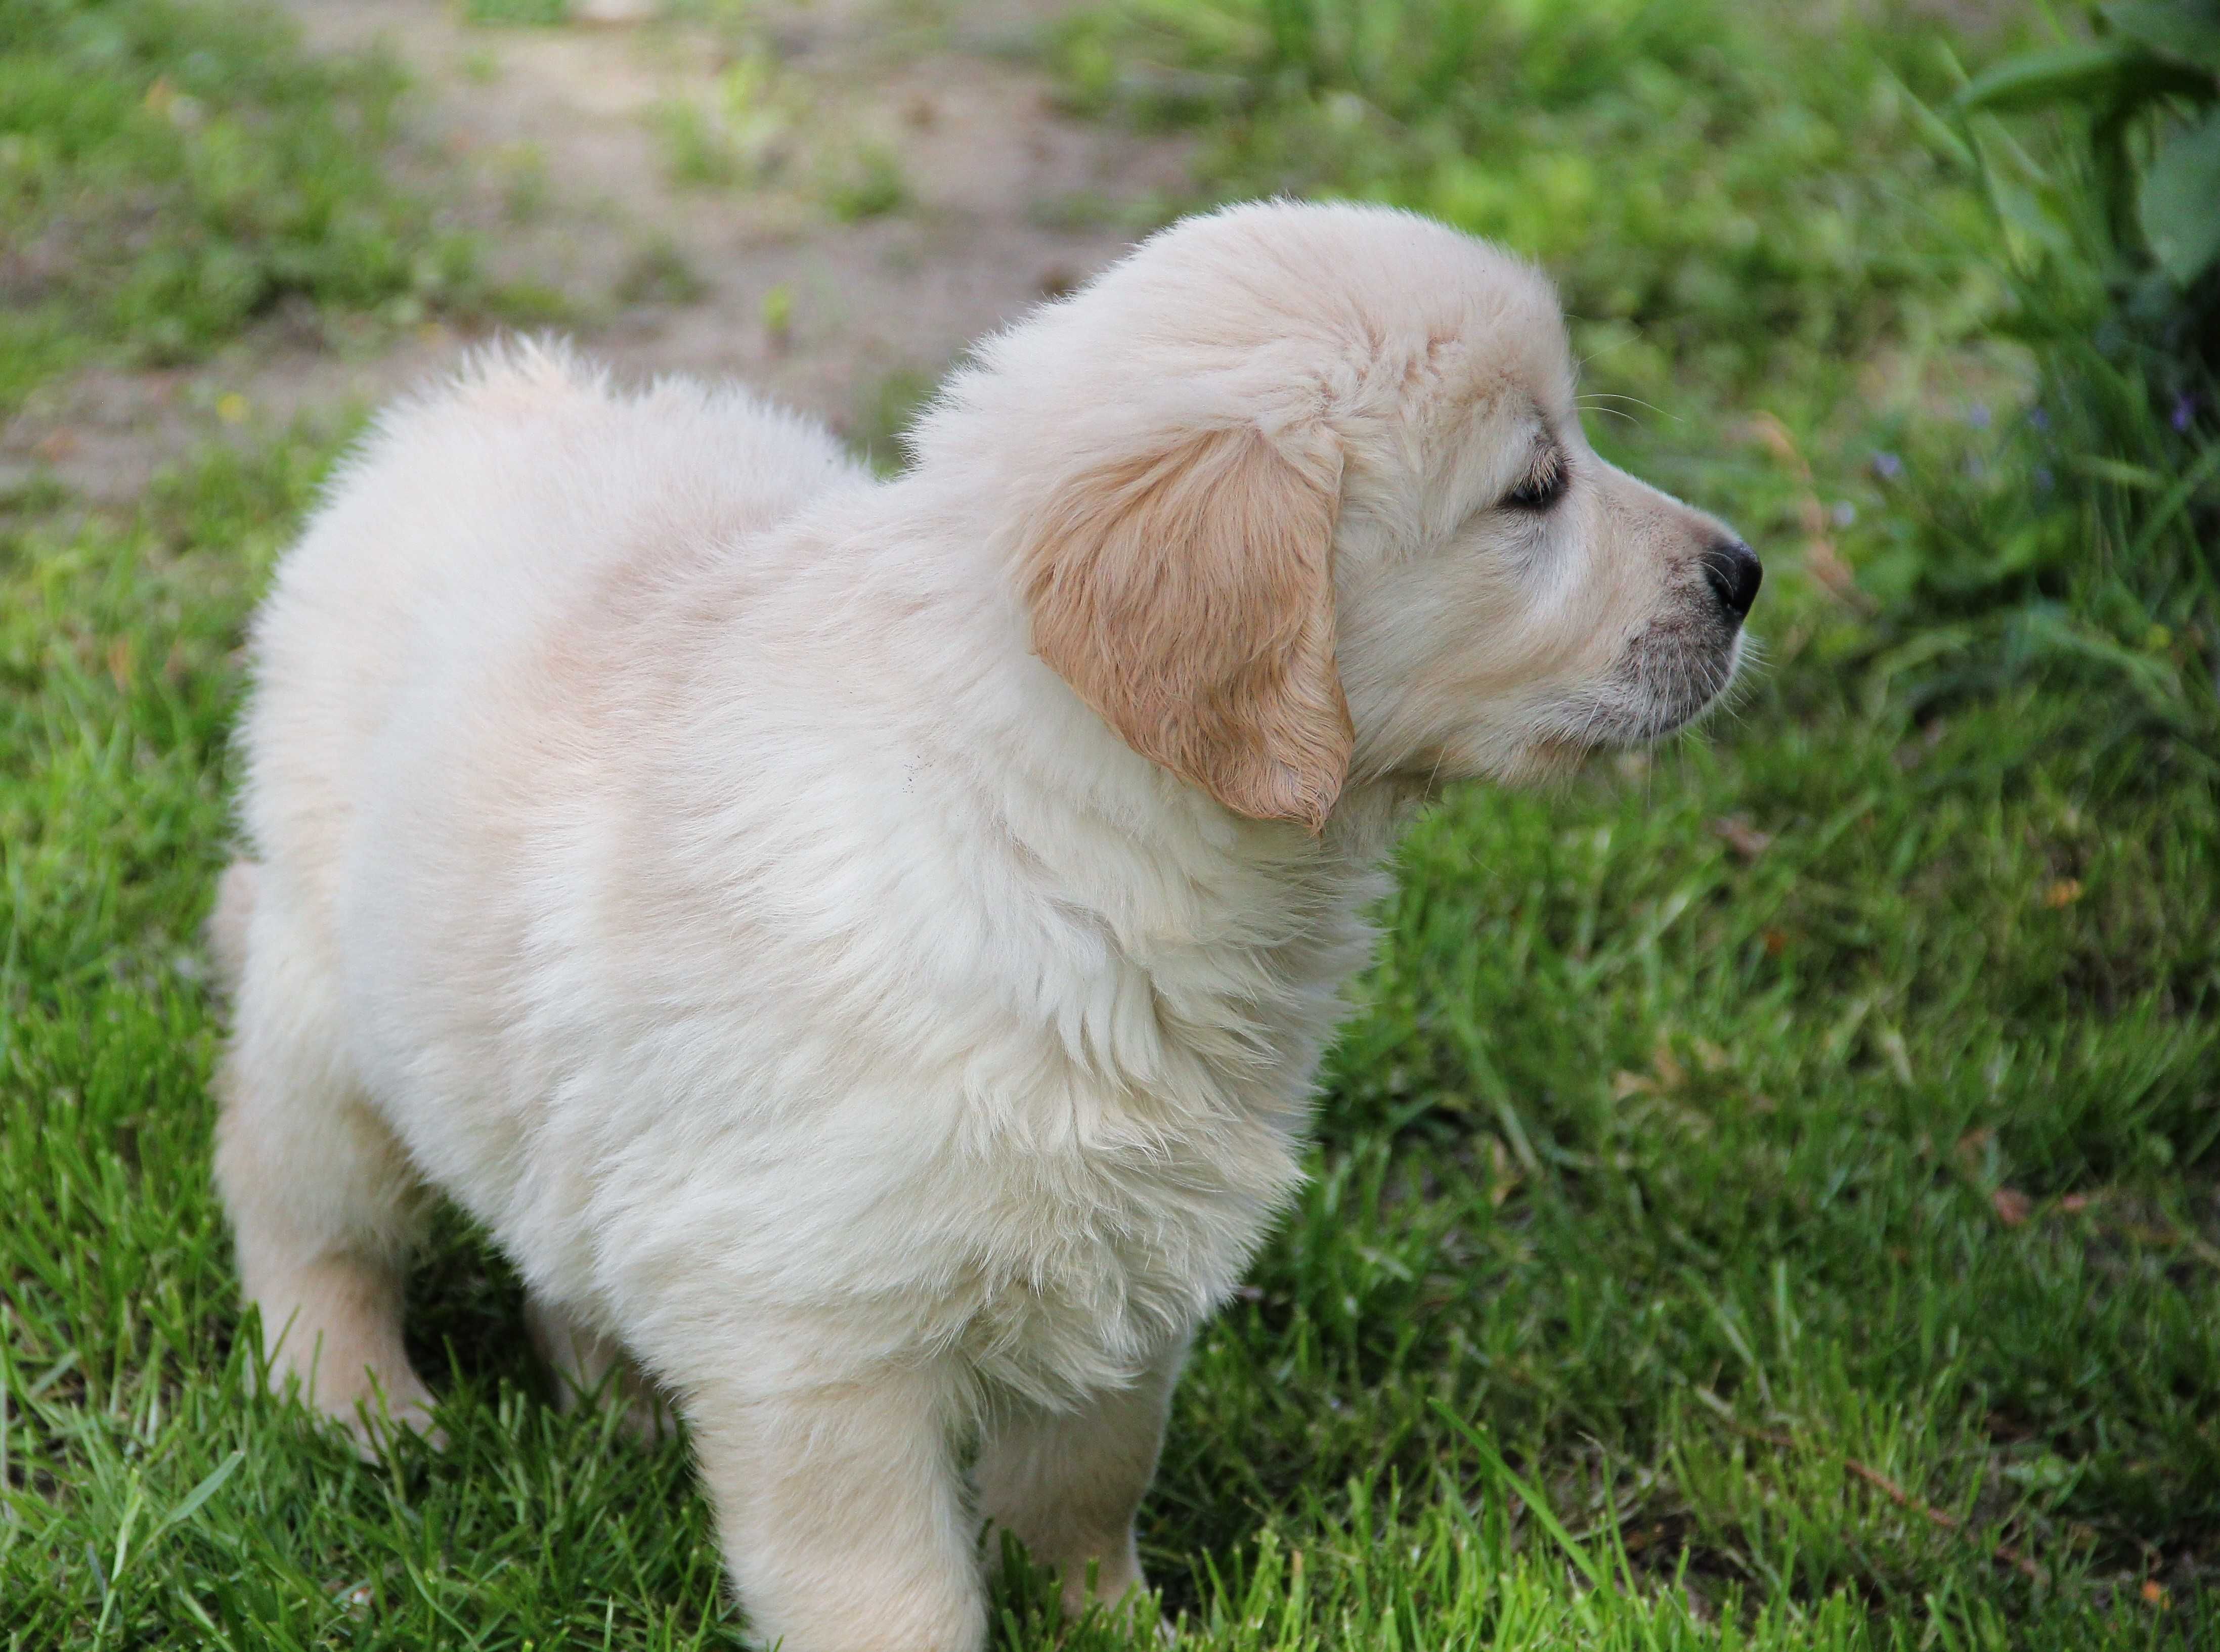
(1187, 595)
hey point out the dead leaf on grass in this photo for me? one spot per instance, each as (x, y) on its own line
(1739, 835)
(1503, 1172)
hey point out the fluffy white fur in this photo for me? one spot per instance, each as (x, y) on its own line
(666, 841)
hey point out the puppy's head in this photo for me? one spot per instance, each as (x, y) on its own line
(1298, 498)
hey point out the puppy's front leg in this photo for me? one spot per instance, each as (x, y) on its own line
(840, 1512)
(1066, 1484)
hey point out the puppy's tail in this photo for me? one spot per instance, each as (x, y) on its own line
(227, 924)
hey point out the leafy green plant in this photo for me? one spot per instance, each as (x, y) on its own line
(2081, 542)
(2141, 148)
(2151, 83)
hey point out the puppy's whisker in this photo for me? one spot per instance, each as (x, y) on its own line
(1595, 398)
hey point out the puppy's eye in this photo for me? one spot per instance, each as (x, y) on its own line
(1544, 485)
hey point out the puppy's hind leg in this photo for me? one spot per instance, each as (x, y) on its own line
(585, 1362)
(322, 1199)
(1066, 1484)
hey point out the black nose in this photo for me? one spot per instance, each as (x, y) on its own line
(1734, 573)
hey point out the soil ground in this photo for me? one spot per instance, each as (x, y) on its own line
(555, 148)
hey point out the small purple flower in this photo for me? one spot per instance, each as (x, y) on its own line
(2038, 418)
(2184, 410)
(1978, 415)
(1887, 465)
(2043, 480)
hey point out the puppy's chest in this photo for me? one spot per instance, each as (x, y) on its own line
(1098, 1255)
(1129, 1219)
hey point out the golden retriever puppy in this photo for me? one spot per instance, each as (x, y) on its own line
(862, 948)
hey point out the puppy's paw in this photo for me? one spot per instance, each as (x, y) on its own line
(379, 1421)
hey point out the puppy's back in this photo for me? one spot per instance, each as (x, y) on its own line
(475, 515)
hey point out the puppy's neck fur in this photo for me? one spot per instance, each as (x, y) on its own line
(1233, 939)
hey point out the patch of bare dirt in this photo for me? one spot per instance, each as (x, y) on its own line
(556, 147)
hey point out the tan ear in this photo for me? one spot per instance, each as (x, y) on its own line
(1187, 596)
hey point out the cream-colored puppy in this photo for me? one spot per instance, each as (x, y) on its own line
(862, 947)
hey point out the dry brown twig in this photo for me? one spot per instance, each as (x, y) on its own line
(2001, 1552)
(1821, 560)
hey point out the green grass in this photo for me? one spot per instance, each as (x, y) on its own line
(867, 183)
(697, 152)
(527, 13)
(1742, 1160)
(170, 170)
(1728, 179)
(739, 131)
(1684, 1177)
